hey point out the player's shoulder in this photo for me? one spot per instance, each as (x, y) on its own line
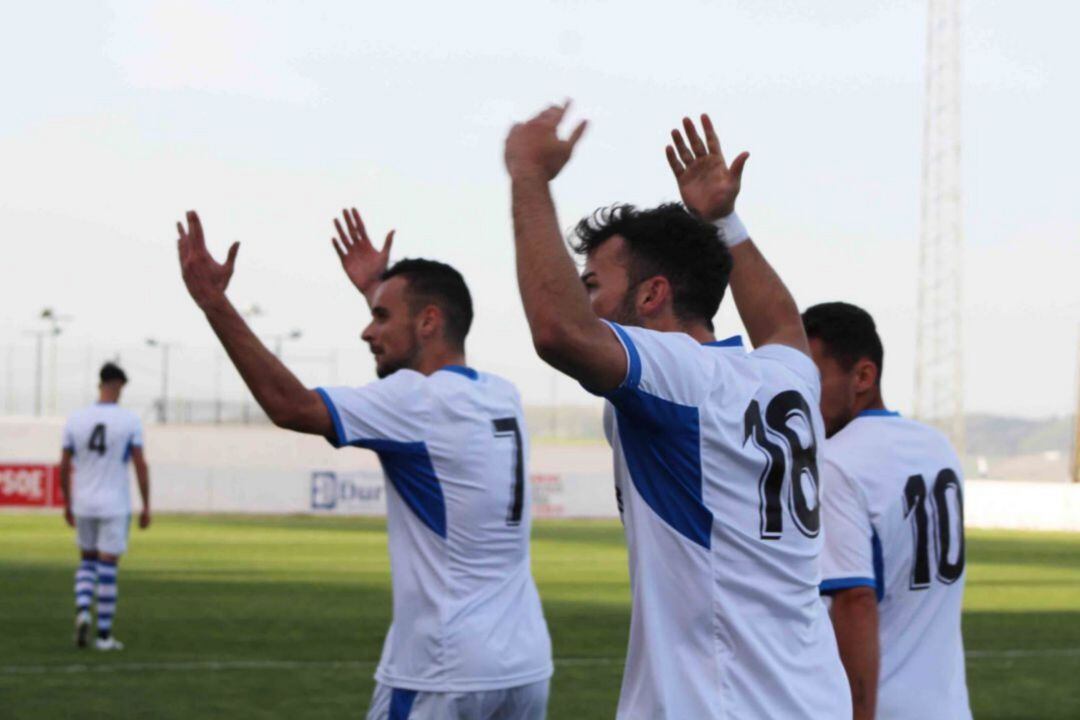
(786, 363)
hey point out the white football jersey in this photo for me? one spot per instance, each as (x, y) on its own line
(717, 482)
(101, 438)
(453, 448)
(893, 513)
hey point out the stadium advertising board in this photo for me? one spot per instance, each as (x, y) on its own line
(30, 486)
(348, 493)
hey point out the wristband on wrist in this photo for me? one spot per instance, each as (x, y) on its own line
(732, 230)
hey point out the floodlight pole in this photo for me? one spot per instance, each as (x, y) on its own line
(163, 401)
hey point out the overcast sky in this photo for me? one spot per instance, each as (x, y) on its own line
(270, 117)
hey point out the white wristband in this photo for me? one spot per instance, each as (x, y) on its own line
(732, 230)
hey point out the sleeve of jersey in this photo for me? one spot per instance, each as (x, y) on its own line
(136, 440)
(386, 410)
(795, 361)
(659, 367)
(847, 559)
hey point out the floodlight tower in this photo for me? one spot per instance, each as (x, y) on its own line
(939, 360)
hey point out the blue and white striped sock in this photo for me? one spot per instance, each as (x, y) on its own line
(85, 577)
(106, 597)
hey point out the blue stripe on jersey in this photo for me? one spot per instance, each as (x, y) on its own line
(339, 430)
(835, 585)
(401, 702)
(127, 449)
(462, 370)
(878, 412)
(733, 341)
(408, 466)
(879, 564)
(633, 372)
(661, 441)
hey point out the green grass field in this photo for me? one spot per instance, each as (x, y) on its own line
(268, 618)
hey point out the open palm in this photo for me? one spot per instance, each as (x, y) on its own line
(361, 261)
(206, 279)
(707, 184)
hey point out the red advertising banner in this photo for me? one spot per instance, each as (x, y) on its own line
(30, 486)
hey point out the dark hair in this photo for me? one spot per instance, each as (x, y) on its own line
(435, 283)
(848, 332)
(669, 241)
(111, 372)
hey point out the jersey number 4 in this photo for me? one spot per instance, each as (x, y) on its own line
(803, 494)
(97, 439)
(915, 508)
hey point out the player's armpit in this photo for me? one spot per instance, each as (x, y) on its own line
(590, 353)
(307, 414)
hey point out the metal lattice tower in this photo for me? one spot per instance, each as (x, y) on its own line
(939, 369)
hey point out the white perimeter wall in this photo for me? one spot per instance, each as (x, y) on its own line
(265, 470)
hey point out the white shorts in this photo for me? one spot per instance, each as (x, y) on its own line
(525, 702)
(103, 534)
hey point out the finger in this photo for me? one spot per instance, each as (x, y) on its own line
(353, 235)
(389, 243)
(673, 162)
(360, 226)
(195, 231)
(230, 259)
(578, 132)
(338, 250)
(695, 140)
(341, 233)
(737, 165)
(711, 139)
(180, 229)
(680, 145)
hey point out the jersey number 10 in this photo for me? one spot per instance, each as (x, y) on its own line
(915, 502)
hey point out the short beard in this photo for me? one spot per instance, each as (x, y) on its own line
(408, 361)
(626, 313)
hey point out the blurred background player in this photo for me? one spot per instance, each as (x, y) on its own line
(98, 442)
(714, 451)
(468, 638)
(893, 513)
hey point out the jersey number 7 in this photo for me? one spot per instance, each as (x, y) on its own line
(508, 427)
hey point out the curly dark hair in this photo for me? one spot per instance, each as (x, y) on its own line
(434, 283)
(669, 241)
(848, 333)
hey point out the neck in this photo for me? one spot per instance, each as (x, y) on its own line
(435, 360)
(870, 400)
(107, 397)
(669, 323)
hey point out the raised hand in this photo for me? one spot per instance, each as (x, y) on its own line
(361, 261)
(707, 184)
(206, 279)
(533, 148)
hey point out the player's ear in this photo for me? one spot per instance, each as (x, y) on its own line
(431, 322)
(652, 295)
(866, 375)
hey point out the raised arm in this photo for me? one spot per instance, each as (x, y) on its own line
(362, 263)
(280, 394)
(565, 331)
(709, 188)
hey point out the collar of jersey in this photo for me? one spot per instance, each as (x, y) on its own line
(878, 412)
(462, 370)
(733, 341)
